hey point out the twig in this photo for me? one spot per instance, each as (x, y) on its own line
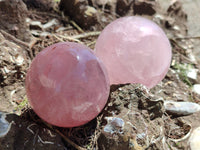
(18, 41)
(66, 37)
(65, 138)
(76, 26)
(33, 42)
(34, 139)
(48, 14)
(61, 40)
(91, 43)
(188, 37)
(84, 35)
(175, 43)
(44, 142)
(69, 141)
(96, 133)
(28, 128)
(77, 37)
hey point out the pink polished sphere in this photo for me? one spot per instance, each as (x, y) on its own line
(67, 85)
(134, 50)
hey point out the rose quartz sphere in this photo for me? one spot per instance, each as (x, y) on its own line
(67, 85)
(134, 50)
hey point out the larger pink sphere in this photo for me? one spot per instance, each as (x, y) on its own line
(134, 50)
(67, 85)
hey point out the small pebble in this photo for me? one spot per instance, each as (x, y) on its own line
(4, 125)
(194, 140)
(192, 73)
(196, 88)
(181, 108)
(117, 122)
(114, 125)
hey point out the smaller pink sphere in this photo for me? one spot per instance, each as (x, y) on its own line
(134, 50)
(67, 85)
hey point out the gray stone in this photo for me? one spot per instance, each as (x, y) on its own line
(181, 108)
(13, 19)
(194, 141)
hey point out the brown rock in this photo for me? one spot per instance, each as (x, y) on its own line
(176, 12)
(13, 19)
(123, 7)
(79, 11)
(113, 143)
(144, 7)
(13, 65)
(43, 5)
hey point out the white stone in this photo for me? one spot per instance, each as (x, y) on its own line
(196, 88)
(181, 108)
(194, 140)
(192, 73)
(4, 125)
(114, 125)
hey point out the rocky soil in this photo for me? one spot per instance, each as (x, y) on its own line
(134, 118)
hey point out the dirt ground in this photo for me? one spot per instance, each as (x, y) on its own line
(28, 27)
